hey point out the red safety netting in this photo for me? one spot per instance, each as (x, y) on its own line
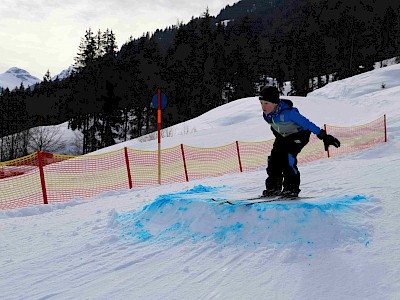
(86, 176)
(358, 137)
(21, 182)
(211, 162)
(144, 166)
(46, 178)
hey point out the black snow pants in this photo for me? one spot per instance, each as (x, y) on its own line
(282, 163)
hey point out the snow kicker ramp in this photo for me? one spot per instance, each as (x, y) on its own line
(191, 216)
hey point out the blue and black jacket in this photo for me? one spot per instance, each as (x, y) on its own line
(287, 120)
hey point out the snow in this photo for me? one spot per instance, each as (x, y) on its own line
(13, 77)
(173, 242)
(64, 73)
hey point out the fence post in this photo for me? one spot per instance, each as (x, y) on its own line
(384, 123)
(238, 154)
(328, 147)
(42, 181)
(128, 167)
(184, 163)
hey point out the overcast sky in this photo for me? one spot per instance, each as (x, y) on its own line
(45, 34)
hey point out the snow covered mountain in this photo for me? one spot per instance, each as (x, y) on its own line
(13, 77)
(64, 73)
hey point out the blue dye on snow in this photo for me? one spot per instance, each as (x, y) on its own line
(190, 216)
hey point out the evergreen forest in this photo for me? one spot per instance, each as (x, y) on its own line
(201, 65)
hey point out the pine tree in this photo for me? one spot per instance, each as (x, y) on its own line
(243, 58)
(180, 72)
(109, 43)
(87, 51)
(47, 77)
(108, 119)
(87, 89)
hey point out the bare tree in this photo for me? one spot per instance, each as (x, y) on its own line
(46, 138)
(76, 145)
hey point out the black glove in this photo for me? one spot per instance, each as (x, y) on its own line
(328, 140)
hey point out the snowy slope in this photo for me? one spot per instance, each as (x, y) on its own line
(173, 242)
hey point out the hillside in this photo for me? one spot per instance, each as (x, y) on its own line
(242, 119)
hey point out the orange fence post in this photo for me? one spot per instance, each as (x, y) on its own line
(41, 172)
(328, 147)
(128, 168)
(384, 124)
(184, 163)
(238, 154)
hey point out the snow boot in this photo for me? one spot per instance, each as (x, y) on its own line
(290, 193)
(271, 193)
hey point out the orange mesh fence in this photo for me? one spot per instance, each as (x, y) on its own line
(20, 183)
(20, 180)
(210, 162)
(358, 137)
(85, 176)
(254, 155)
(18, 166)
(144, 166)
(46, 178)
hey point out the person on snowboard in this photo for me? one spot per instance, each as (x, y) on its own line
(292, 132)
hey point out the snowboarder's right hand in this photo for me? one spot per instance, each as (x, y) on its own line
(328, 140)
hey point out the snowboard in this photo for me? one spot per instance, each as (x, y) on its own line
(259, 199)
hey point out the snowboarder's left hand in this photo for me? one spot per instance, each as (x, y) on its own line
(328, 140)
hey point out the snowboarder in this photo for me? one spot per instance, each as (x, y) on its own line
(292, 132)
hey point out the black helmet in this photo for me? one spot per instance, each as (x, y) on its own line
(270, 94)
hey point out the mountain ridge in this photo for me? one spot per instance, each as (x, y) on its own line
(13, 77)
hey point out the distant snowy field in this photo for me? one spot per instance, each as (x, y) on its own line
(173, 242)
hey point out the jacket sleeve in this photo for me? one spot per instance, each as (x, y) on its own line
(305, 123)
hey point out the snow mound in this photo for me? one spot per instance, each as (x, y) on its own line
(34, 210)
(190, 216)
